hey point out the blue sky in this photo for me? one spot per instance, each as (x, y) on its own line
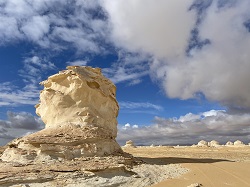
(181, 67)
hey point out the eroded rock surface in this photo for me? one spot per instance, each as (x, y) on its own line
(214, 143)
(238, 143)
(202, 143)
(130, 143)
(79, 109)
(229, 143)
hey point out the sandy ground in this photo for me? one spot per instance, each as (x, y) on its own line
(208, 167)
(164, 166)
(117, 171)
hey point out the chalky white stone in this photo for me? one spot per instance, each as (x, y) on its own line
(214, 143)
(202, 143)
(238, 143)
(79, 109)
(229, 143)
(130, 143)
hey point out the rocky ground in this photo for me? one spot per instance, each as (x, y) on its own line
(114, 170)
(159, 166)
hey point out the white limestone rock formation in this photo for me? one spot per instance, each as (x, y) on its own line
(213, 143)
(239, 143)
(195, 185)
(79, 109)
(229, 143)
(130, 143)
(202, 143)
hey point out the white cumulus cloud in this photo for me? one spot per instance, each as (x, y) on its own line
(48, 23)
(218, 62)
(36, 28)
(161, 28)
(189, 129)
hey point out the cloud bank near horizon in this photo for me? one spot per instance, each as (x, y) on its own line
(18, 124)
(189, 129)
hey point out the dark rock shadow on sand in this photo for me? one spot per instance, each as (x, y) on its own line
(178, 160)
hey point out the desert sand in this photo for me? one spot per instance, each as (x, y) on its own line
(180, 166)
(208, 166)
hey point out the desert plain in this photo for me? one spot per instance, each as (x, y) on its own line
(208, 166)
(223, 166)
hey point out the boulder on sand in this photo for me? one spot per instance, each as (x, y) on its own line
(202, 143)
(214, 143)
(130, 143)
(238, 143)
(229, 143)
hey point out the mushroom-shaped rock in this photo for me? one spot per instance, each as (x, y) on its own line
(79, 109)
(202, 143)
(238, 143)
(130, 143)
(214, 143)
(229, 143)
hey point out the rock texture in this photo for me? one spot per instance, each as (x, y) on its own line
(130, 143)
(229, 143)
(202, 143)
(238, 143)
(79, 109)
(195, 185)
(213, 143)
